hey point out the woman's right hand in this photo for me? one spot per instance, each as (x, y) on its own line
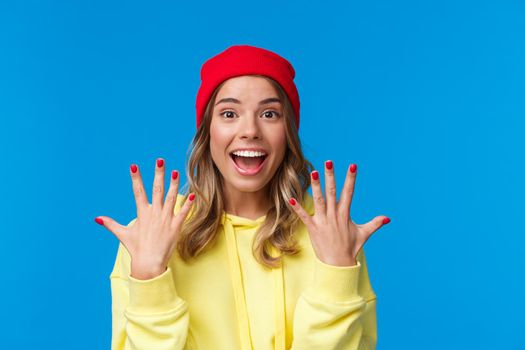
(152, 238)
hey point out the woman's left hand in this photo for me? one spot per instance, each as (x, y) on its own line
(336, 238)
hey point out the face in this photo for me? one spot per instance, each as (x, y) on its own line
(247, 119)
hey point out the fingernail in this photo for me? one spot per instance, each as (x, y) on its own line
(353, 168)
(191, 197)
(160, 162)
(292, 201)
(386, 221)
(315, 175)
(329, 165)
(174, 174)
(99, 221)
(133, 168)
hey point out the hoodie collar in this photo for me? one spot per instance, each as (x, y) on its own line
(231, 223)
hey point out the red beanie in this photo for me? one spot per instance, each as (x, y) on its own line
(244, 60)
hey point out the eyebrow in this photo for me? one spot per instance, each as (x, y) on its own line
(263, 102)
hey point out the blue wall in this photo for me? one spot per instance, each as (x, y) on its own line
(426, 97)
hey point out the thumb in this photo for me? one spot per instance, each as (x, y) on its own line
(114, 227)
(375, 224)
(302, 213)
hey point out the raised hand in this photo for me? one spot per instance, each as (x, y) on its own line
(336, 238)
(152, 238)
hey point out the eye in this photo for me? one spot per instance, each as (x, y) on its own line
(271, 113)
(229, 116)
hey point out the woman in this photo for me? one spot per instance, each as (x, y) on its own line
(246, 259)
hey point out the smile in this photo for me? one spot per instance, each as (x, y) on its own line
(248, 166)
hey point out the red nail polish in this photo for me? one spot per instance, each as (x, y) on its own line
(386, 221)
(353, 168)
(292, 201)
(329, 165)
(160, 162)
(315, 175)
(99, 221)
(133, 168)
(174, 174)
(191, 197)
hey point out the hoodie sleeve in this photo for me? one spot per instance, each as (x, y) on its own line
(146, 314)
(338, 310)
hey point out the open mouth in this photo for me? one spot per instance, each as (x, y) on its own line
(248, 163)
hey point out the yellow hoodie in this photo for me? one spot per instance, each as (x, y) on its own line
(225, 300)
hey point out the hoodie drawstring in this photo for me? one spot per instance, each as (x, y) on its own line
(280, 314)
(239, 295)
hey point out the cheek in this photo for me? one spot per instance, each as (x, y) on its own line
(279, 143)
(218, 142)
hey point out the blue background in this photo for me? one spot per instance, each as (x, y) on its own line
(427, 98)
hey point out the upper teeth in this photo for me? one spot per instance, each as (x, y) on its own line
(249, 153)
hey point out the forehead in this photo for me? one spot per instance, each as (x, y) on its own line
(246, 86)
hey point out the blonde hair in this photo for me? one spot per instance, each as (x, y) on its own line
(291, 179)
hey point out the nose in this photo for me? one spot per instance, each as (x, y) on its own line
(249, 128)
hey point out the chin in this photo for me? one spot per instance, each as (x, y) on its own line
(247, 185)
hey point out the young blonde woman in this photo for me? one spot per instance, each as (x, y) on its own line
(246, 258)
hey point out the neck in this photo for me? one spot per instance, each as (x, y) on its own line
(251, 205)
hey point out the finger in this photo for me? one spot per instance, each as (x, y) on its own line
(303, 215)
(347, 193)
(317, 193)
(158, 186)
(114, 227)
(183, 212)
(171, 197)
(141, 200)
(373, 225)
(330, 190)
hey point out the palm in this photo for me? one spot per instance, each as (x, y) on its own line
(336, 238)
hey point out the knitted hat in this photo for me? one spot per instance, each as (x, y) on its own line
(243, 60)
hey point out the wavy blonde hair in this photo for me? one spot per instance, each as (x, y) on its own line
(291, 179)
